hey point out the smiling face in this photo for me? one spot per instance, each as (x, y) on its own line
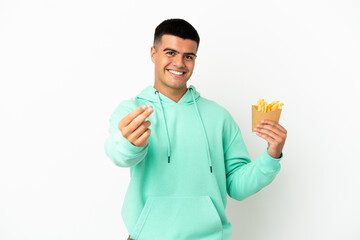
(174, 60)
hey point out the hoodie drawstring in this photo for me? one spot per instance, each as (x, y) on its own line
(167, 134)
(201, 122)
(204, 132)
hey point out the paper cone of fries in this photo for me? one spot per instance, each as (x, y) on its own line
(257, 116)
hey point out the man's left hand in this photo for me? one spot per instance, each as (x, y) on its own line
(274, 134)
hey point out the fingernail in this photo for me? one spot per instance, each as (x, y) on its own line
(143, 107)
(255, 129)
(262, 121)
(150, 109)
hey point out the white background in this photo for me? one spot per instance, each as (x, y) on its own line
(65, 66)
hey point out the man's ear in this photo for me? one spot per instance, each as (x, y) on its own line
(153, 53)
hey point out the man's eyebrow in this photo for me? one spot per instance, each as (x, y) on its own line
(169, 49)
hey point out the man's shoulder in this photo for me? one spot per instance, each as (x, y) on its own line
(214, 107)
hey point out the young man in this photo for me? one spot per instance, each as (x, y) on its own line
(185, 152)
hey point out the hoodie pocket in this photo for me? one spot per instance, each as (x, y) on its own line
(178, 218)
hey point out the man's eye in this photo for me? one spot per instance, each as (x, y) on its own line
(189, 57)
(170, 53)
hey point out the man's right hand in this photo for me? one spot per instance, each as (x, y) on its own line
(134, 128)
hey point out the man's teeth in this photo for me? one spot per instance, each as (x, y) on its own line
(175, 72)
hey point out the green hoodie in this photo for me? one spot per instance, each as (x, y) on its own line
(179, 180)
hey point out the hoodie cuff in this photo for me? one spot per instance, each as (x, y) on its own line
(269, 163)
(128, 146)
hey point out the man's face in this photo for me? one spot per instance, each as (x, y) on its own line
(174, 60)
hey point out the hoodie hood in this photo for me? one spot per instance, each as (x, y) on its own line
(190, 97)
(149, 94)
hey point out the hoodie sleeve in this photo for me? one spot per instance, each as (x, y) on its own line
(117, 148)
(243, 176)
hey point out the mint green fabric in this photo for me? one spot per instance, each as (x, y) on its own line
(194, 158)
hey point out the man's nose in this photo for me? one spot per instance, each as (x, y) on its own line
(179, 61)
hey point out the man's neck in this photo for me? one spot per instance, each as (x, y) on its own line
(172, 93)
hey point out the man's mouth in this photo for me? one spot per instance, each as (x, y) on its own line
(176, 73)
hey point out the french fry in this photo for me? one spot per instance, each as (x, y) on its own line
(263, 106)
(274, 107)
(274, 102)
(268, 109)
